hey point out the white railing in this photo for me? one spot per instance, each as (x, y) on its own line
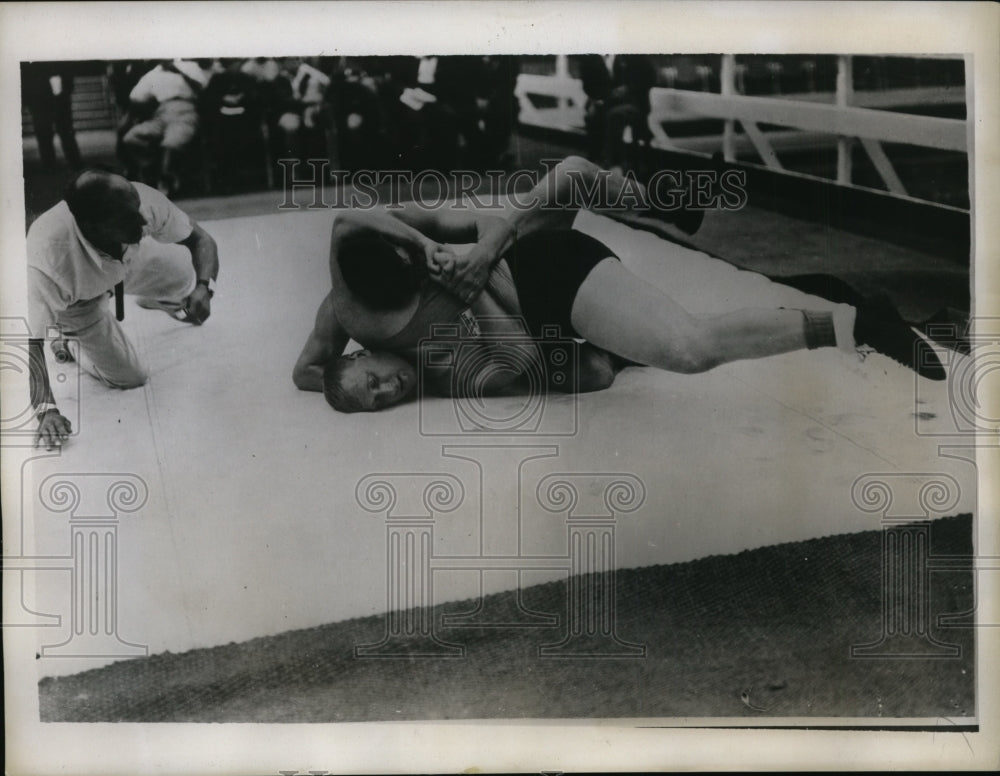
(812, 120)
(567, 115)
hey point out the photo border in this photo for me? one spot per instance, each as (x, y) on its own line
(108, 31)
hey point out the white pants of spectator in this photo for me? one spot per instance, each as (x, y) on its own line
(161, 275)
(173, 126)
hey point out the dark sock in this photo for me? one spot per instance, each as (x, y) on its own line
(818, 327)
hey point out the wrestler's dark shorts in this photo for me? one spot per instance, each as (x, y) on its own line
(548, 268)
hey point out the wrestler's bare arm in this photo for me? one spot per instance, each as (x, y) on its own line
(381, 222)
(454, 224)
(327, 339)
(465, 275)
(552, 204)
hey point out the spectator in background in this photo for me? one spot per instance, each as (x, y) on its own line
(280, 108)
(355, 99)
(617, 104)
(408, 99)
(596, 80)
(424, 131)
(632, 76)
(454, 111)
(123, 75)
(167, 97)
(309, 85)
(299, 96)
(232, 115)
(497, 112)
(261, 69)
(47, 90)
(454, 118)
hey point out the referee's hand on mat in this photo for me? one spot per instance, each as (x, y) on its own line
(198, 306)
(53, 430)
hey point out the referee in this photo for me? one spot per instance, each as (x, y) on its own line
(108, 234)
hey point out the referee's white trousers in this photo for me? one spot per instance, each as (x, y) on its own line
(160, 273)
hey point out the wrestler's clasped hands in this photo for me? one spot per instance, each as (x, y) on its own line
(464, 275)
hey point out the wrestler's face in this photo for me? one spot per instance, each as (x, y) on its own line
(378, 379)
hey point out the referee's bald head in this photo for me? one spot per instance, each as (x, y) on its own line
(105, 206)
(94, 193)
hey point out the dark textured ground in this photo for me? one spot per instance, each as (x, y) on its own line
(776, 623)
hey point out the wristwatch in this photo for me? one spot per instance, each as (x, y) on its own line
(209, 284)
(45, 406)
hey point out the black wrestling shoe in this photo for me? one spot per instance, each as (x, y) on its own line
(688, 220)
(880, 326)
(948, 327)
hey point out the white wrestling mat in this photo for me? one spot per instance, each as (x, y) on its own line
(254, 522)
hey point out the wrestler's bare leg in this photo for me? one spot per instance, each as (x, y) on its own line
(573, 184)
(651, 328)
(618, 311)
(654, 329)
